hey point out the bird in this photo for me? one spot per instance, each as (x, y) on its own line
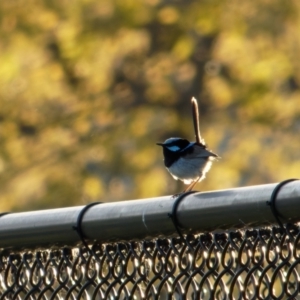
(187, 161)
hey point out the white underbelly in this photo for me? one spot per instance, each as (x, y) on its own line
(188, 170)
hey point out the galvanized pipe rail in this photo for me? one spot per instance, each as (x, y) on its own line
(148, 218)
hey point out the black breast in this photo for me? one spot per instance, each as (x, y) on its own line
(171, 156)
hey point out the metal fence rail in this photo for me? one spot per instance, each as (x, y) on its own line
(246, 263)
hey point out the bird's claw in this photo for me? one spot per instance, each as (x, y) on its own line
(177, 195)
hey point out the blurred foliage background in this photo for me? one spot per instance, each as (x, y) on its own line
(88, 87)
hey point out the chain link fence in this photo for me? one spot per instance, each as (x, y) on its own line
(258, 263)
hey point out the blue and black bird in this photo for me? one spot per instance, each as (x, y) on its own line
(187, 161)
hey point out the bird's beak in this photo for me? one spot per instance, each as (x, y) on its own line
(159, 144)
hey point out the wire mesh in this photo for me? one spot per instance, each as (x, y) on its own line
(258, 263)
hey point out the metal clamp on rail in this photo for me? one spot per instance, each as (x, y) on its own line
(4, 213)
(173, 214)
(272, 203)
(78, 227)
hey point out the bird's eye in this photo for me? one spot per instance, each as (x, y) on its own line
(173, 148)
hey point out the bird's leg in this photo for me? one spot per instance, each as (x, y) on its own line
(190, 187)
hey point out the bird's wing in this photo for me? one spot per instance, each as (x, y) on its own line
(201, 151)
